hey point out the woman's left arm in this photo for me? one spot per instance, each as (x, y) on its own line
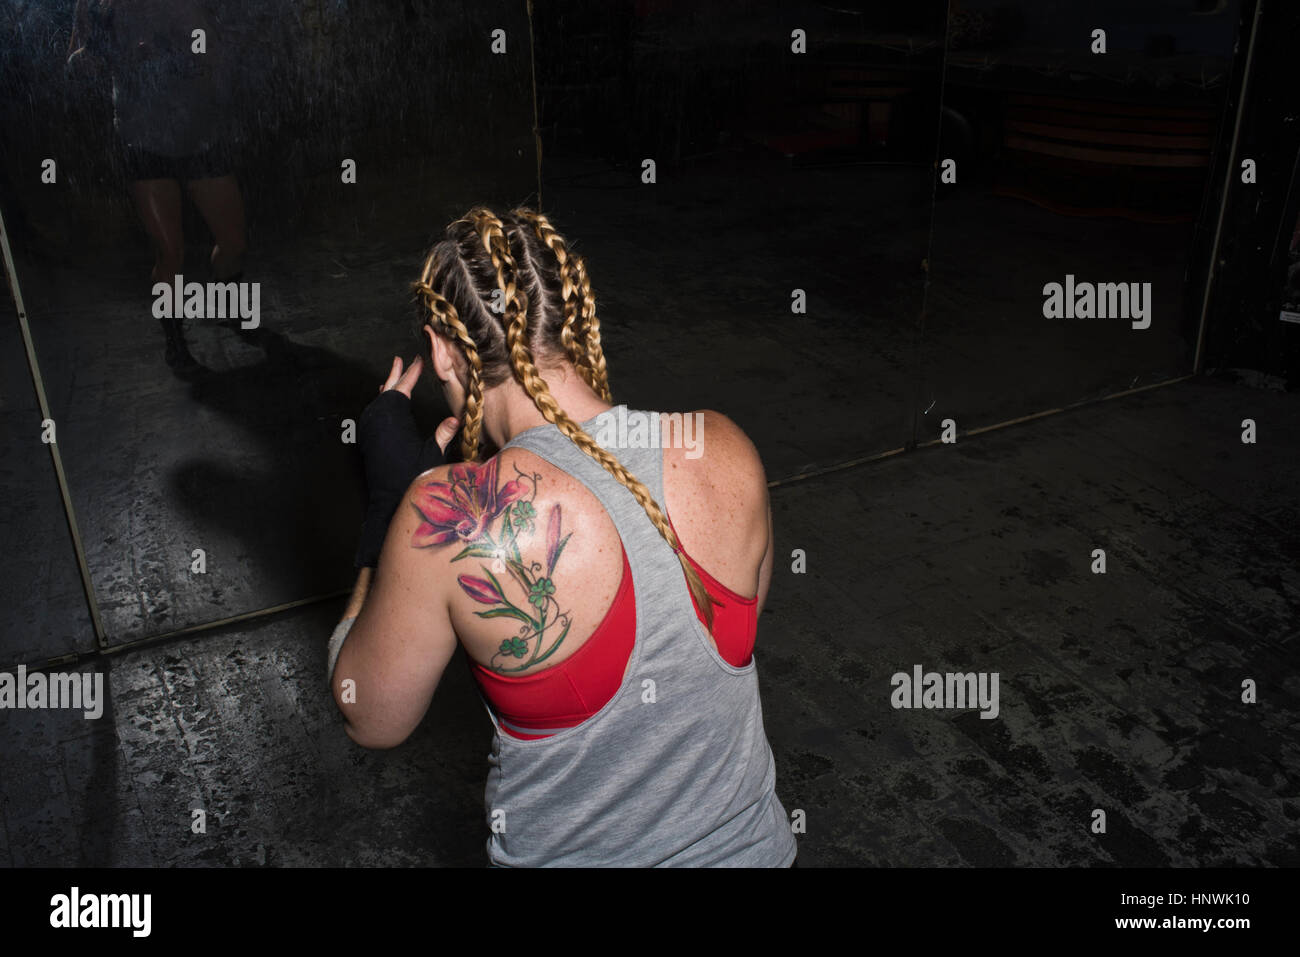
(401, 641)
(389, 651)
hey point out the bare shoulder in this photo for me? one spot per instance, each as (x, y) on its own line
(719, 456)
(486, 509)
(716, 492)
(454, 504)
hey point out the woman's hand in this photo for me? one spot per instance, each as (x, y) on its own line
(404, 382)
(393, 454)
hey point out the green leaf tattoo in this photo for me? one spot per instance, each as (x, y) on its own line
(541, 590)
(514, 646)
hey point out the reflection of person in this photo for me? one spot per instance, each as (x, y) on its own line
(172, 117)
(618, 672)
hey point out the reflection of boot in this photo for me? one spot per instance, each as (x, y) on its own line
(178, 353)
(252, 337)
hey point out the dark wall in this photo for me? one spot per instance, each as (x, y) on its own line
(314, 80)
(615, 75)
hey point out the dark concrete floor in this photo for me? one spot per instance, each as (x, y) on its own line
(1119, 692)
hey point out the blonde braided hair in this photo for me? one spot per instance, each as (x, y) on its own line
(591, 326)
(443, 314)
(579, 308)
(580, 336)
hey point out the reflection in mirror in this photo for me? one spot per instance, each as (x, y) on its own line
(217, 210)
(43, 611)
(751, 183)
(1076, 158)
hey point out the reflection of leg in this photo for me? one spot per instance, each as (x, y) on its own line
(158, 201)
(222, 206)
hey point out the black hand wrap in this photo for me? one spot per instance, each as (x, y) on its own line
(393, 455)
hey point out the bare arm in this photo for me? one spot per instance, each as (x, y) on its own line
(389, 651)
(359, 592)
(82, 51)
(400, 644)
(80, 29)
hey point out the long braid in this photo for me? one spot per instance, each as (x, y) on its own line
(493, 235)
(591, 331)
(444, 314)
(578, 301)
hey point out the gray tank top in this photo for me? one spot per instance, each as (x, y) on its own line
(676, 769)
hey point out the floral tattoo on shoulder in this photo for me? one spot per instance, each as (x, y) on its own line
(489, 521)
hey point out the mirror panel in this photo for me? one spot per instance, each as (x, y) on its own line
(306, 152)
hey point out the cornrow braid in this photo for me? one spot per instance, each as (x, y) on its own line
(444, 314)
(574, 284)
(547, 234)
(492, 233)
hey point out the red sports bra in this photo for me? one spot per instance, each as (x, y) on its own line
(567, 694)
